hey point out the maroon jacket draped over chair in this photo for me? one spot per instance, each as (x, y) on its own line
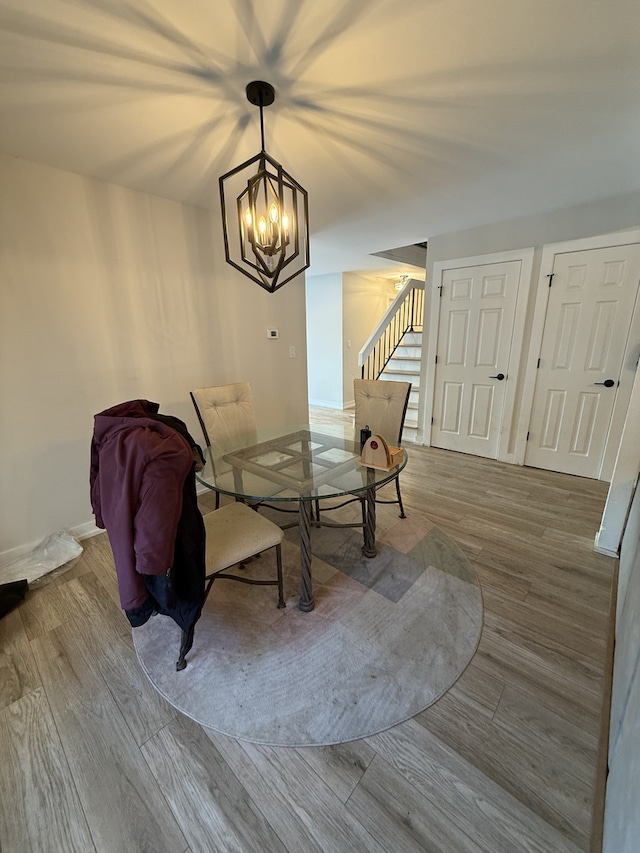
(143, 492)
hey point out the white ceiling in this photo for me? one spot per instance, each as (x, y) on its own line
(402, 118)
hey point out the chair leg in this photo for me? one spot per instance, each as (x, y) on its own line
(402, 515)
(185, 645)
(217, 500)
(281, 602)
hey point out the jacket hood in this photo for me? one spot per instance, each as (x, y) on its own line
(118, 417)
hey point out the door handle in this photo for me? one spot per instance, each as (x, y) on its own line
(499, 376)
(608, 383)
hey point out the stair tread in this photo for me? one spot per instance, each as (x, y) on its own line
(389, 368)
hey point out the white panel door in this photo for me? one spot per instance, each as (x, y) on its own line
(589, 313)
(477, 311)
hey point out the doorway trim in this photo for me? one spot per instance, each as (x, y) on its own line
(549, 252)
(525, 257)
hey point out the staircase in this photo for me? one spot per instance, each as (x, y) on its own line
(404, 366)
(394, 350)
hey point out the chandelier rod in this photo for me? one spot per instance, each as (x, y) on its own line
(261, 124)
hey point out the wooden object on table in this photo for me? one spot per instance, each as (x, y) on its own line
(376, 453)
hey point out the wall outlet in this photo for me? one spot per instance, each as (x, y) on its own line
(272, 333)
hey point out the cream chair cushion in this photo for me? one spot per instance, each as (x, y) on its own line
(235, 533)
(226, 412)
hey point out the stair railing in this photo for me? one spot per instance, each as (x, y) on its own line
(403, 315)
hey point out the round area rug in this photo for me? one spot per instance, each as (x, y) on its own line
(387, 638)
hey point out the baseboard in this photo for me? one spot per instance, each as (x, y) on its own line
(601, 550)
(79, 532)
(85, 531)
(11, 554)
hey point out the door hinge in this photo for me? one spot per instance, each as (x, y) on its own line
(538, 364)
(550, 277)
(441, 288)
(436, 359)
(528, 434)
(431, 421)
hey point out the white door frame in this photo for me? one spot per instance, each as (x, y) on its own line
(525, 256)
(549, 252)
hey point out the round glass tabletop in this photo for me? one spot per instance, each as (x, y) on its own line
(288, 464)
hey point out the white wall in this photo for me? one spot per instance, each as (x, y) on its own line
(365, 298)
(622, 814)
(107, 295)
(553, 226)
(324, 339)
(341, 308)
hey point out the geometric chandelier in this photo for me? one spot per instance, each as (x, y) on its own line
(265, 213)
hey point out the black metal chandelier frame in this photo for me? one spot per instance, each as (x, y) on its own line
(271, 232)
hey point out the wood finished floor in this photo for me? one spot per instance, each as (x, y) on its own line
(94, 760)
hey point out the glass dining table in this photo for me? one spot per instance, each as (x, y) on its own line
(299, 465)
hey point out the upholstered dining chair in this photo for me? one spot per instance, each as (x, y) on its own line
(224, 412)
(235, 534)
(381, 404)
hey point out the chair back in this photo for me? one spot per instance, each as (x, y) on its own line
(225, 412)
(382, 405)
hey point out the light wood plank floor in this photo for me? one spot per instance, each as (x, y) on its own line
(94, 759)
